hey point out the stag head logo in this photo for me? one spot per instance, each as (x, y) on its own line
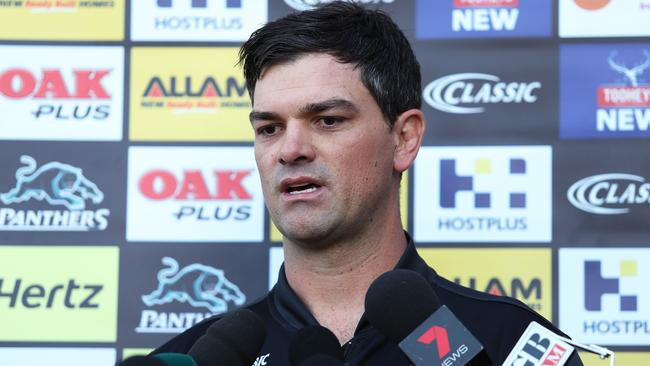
(630, 73)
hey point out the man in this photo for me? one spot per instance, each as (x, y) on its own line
(336, 98)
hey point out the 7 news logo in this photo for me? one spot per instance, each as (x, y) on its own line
(466, 192)
(604, 302)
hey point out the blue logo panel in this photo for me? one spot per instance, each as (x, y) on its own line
(483, 19)
(605, 91)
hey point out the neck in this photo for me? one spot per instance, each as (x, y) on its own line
(332, 281)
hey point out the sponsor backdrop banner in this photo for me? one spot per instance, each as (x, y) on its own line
(130, 202)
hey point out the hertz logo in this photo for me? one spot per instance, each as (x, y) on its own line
(34, 296)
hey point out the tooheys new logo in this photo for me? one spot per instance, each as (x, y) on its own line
(190, 189)
(187, 94)
(625, 106)
(468, 93)
(61, 186)
(196, 285)
(609, 194)
(312, 4)
(484, 15)
(60, 94)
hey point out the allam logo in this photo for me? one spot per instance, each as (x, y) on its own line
(57, 184)
(466, 192)
(604, 301)
(613, 100)
(482, 18)
(469, 93)
(197, 285)
(609, 194)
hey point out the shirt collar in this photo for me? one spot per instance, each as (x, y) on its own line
(294, 312)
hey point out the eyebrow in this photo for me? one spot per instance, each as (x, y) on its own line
(308, 109)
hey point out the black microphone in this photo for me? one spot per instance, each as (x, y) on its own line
(161, 359)
(402, 306)
(315, 345)
(234, 340)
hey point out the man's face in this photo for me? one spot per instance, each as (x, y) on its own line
(323, 150)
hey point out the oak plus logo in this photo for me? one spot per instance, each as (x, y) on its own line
(61, 93)
(483, 18)
(470, 93)
(302, 5)
(197, 194)
(464, 193)
(64, 188)
(604, 301)
(613, 100)
(609, 194)
(205, 289)
(196, 20)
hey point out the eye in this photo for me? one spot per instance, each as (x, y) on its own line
(268, 130)
(330, 121)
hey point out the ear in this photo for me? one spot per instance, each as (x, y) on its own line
(408, 132)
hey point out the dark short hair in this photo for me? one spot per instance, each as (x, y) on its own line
(369, 39)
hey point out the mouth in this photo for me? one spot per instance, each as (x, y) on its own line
(299, 186)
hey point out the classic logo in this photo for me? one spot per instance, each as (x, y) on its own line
(609, 194)
(198, 285)
(313, 4)
(498, 190)
(467, 93)
(612, 99)
(58, 184)
(603, 301)
(482, 18)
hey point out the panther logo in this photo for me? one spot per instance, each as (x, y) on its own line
(197, 284)
(54, 182)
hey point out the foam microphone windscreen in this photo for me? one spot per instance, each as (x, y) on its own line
(314, 340)
(399, 301)
(234, 340)
(141, 361)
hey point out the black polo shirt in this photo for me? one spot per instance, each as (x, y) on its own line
(496, 321)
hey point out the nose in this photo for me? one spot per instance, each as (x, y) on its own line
(297, 145)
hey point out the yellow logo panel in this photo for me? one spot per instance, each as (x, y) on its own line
(276, 236)
(59, 20)
(58, 294)
(522, 273)
(128, 352)
(188, 94)
(622, 359)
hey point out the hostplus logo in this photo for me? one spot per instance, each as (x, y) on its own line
(198, 22)
(196, 285)
(606, 300)
(502, 191)
(59, 185)
(597, 286)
